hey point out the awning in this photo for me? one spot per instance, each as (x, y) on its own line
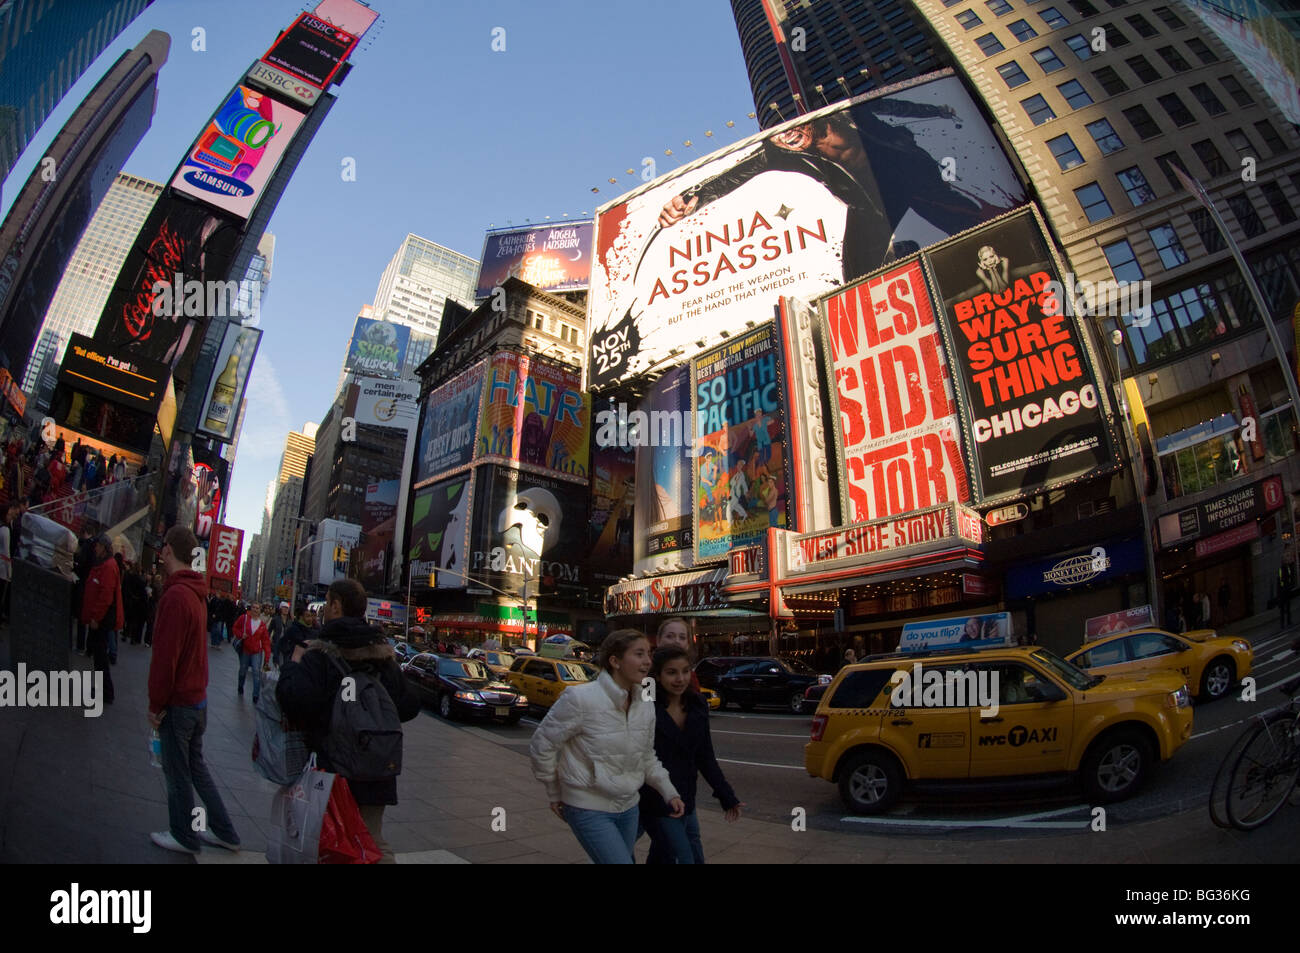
(683, 592)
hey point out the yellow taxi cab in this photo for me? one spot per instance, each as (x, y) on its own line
(1050, 718)
(497, 661)
(1210, 664)
(712, 697)
(543, 680)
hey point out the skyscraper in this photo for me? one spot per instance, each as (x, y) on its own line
(418, 279)
(828, 50)
(89, 276)
(44, 49)
(280, 542)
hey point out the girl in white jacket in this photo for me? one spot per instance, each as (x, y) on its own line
(596, 748)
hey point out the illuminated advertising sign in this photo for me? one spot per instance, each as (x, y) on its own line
(440, 532)
(312, 49)
(535, 414)
(797, 210)
(679, 592)
(548, 257)
(921, 531)
(128, 380)
(664, 536)
(378, 526)
(348, 15)
(898, 426)
(1028, 385)
(613, 498)
(449, 432)
(964, 631)
(380, 402)
(811, 439)
(226, 390)
(740, 445)
(223, 557)
(278, 81)
(229, 165)
(378, 348)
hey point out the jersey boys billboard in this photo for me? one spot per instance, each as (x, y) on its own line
(1032, 403)
(798, 211)
(898, 422)
(740, 446)
(450, 427)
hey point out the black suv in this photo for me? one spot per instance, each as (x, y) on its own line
(709, 670)
(766, 681)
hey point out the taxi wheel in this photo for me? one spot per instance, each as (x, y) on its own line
(1217, 679)
(444, 707)
(870, 782)
(1115, 766)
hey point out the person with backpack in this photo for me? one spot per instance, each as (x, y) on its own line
(357, 733)
(178, 703)
(252, 642)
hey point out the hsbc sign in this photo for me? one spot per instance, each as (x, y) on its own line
(276, 80)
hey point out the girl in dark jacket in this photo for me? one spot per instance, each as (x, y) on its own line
(685, 747)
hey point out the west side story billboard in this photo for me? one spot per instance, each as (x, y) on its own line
(549, 257)
(821, 200)
(1034, 414)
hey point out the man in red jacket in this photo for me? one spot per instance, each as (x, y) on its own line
(101, 609)
(178, 702)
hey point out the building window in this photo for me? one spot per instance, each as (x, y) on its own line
(1142, 69)
(1075, 94)
(1093, 202)
(1141, 24)
(1048, 60)
(1244, 210)
(1168, 247)
(1038, 110)
(1123, 263)
(1206, 230)
(1241, 143)
(1141, 122)
(1136, 186)
(989, 44)
(1209, 102)
(1083, 8)
(1174, 59)
(1110, 81)
(1237, 91)
(1171, 19)
(1115, 36)
(1270, 137)
(1013, 74)
(1179, 113)
(1202, 51)
(1210, 157)
(1276, 199)
(1067, 156)
(969, 19)
(1053, 18)
(1079, 43)
(1103, 133)
(1022, 31)
(998, 8)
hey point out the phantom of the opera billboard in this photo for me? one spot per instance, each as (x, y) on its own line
(1034, 412)
(897, 429)
(740, 445)
(449, 429)
(797, 210)
(535, 414)
(526, 527)
(551, 258)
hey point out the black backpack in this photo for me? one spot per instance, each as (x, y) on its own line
(364, 742)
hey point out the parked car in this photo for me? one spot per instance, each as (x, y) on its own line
(460, 687)
(712, 697)
(709, 670)
(543, 680)
(1210, 663)
(404, 651)
(766, 681)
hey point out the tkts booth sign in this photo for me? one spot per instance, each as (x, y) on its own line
(1029, 392)
(223, 558)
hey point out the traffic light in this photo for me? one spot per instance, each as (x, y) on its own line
(433, 580)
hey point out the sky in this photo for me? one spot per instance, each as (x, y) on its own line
(449, 137)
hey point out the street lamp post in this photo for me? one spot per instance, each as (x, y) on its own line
(293, 592)
(502, 592)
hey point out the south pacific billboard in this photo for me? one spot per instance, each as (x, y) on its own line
(1034, 412)
(741, 451)
(230, 163)
(449, 432)
(536, 415)
(796, 210)
(664, 534)
(549, 257)
(378, 348)
(898, 428)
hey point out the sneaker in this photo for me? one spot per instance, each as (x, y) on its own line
(165, 840)
(210, 838)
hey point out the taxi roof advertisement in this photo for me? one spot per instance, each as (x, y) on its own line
(796, 210)
(1035, 414)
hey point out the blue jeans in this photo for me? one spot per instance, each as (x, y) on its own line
(112, 645)
(254, 662)
(674, 840)
(215, 633)
(181, 733)
(607, 838)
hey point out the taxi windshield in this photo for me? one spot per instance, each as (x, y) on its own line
(571, 672)
(1077, 678)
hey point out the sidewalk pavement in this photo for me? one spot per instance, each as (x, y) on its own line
(81, 790)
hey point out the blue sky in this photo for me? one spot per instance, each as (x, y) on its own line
(448, 136)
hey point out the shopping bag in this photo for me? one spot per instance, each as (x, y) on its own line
(279, 752)
(297, 812)
(344, 837)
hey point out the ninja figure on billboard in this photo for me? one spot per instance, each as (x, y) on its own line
(874, 167)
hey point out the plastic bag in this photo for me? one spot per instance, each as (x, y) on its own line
(344, 837)
(279, 752)
(155, 748)
(297, 811)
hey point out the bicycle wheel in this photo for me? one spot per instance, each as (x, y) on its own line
(1264, 773)
(1222, 778)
